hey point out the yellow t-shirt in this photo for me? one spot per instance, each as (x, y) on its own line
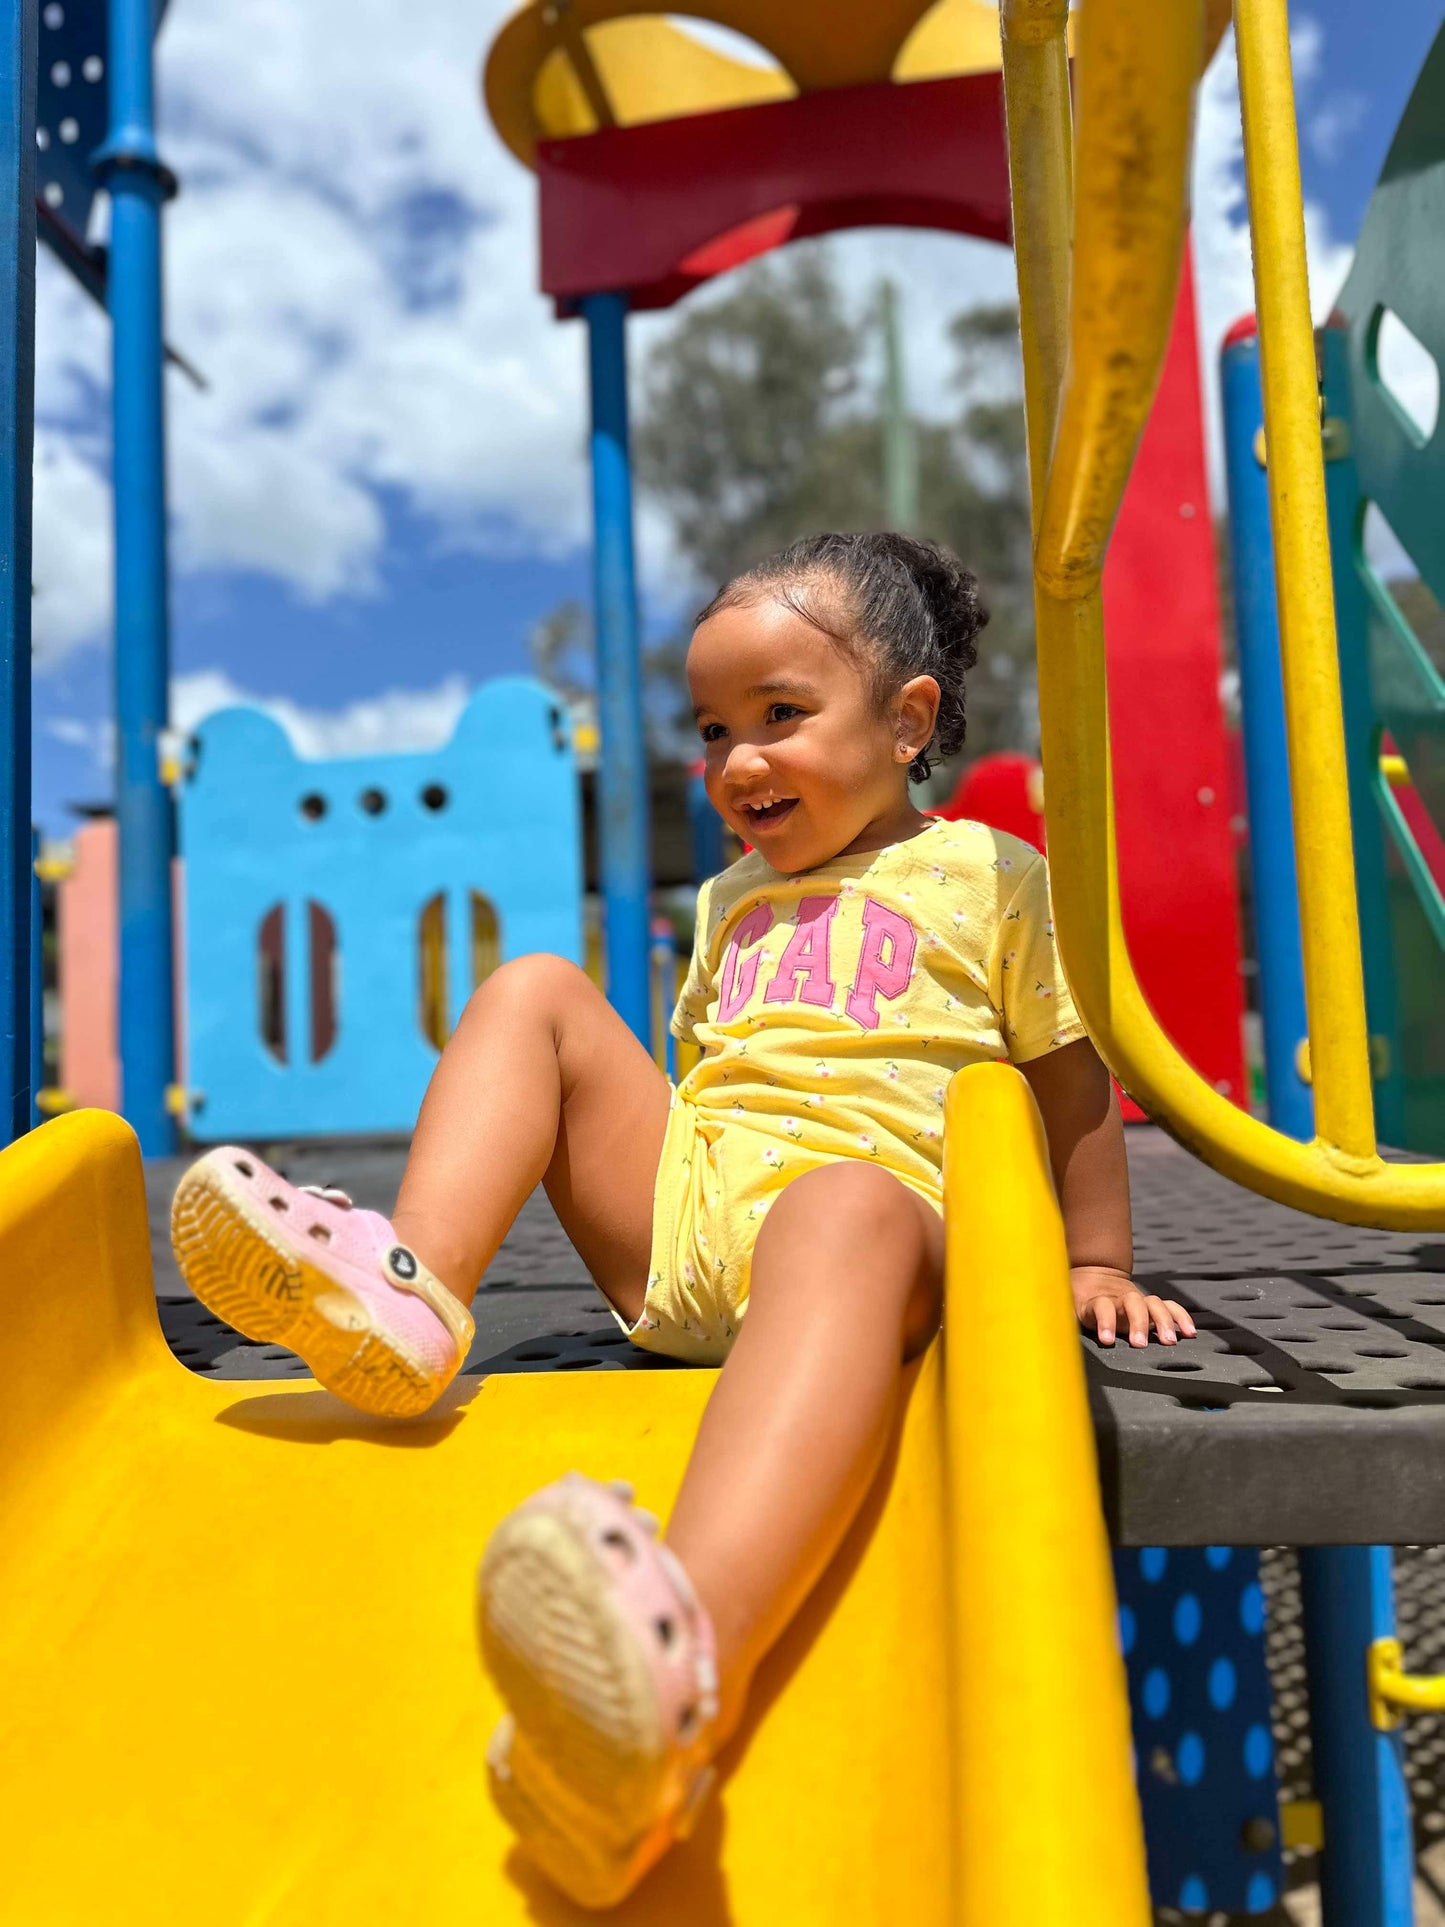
(831, 1008)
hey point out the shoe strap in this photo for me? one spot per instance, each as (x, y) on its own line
(407, 1272)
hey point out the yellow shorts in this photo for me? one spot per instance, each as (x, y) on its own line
(715, 1184)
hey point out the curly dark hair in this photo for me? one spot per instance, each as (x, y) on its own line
(911, 606)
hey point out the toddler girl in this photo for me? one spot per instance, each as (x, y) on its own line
(779, 1213)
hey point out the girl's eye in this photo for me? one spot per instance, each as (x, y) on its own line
(711, 732)
(783, 712)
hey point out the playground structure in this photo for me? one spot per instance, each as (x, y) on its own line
(132, 1485)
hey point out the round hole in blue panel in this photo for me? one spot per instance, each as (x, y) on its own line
(1218, 1557)
(1128, 1630)
(1223, 1685)
(1188, 1618)
(1189, 1759)
(1251, 1608)
(1259, 1894)
(1193, 1895)
(1156, 1692)
(1152, 1561)
(1258, 1751)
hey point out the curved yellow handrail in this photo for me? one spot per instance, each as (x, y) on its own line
(1393, 1691)
(1136, 71)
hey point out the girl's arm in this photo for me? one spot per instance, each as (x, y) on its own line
(1075, 1095)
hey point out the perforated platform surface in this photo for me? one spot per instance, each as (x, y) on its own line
(1309, 1410)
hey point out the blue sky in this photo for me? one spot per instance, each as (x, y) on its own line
(383, 488)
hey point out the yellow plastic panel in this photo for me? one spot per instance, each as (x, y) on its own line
(236, 1632)
(650, 70)
(953, 37)
(236, 1620)
(1041, 1712)
(654, 70)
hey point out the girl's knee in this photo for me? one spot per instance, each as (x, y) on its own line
(851, 1228)
(538, 986)
(841, 1202)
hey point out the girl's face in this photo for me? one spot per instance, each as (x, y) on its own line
(800, 760)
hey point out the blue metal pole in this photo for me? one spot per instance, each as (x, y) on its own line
(709, 849)
(622, 792)
(138, 185)
(1347, 1591)
(17, 372)
(37, 983)
(1367, 1867)
(1266, 749)
(664, 978)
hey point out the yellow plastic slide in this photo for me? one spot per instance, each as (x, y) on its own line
(238, 1679)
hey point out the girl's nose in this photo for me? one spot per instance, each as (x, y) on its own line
(745, 763)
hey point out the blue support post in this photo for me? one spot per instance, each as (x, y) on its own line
(708, 832)
(1266, 749)
(17, 371)
(1367, 1868)
(622, 791)
(664, 996)
(37, 983)
(1348, 1594)
(138, 185)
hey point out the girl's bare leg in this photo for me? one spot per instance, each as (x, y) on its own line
(846, 1286)
(542, 1082)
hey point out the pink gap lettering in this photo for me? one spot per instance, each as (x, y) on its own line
(740, 974)
(803, 974)
(885, 962)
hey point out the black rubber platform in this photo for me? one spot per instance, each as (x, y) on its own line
(1310, 1409)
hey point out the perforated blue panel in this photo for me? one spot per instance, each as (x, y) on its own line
(73, 105)
(369, 841)
(1192, 1628)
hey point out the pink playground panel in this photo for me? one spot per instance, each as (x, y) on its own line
(87, 908)
(86, 930)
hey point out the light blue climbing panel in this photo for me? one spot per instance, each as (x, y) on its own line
(1191, 1622)
(338, 914)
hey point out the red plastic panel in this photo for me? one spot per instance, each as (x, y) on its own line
(1172, 777)
(1005, 790)
(655, 210)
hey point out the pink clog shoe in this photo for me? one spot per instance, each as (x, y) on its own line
(306, 1269)
(605, 1657)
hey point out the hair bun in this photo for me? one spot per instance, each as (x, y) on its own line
(950, 591)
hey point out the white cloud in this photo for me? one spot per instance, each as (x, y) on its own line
(394, 722)
(71, 566)
(345, 356)
(352, 263)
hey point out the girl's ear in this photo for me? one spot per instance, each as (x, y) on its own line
(916, 716)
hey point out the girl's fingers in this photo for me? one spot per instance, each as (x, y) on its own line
(1181, 1318)
(1163, 1322)
(1101, 1314)
(1136, 1309)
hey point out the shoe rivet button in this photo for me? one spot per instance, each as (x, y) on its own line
(401, 1261)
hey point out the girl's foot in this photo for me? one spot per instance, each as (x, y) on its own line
(305, 1269)
(604, 1656)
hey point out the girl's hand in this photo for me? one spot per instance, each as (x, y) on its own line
(1105, 1299)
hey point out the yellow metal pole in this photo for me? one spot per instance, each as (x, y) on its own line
(1040, 1711)
(1324, 855)
(1135, 74)
(1039, 117)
